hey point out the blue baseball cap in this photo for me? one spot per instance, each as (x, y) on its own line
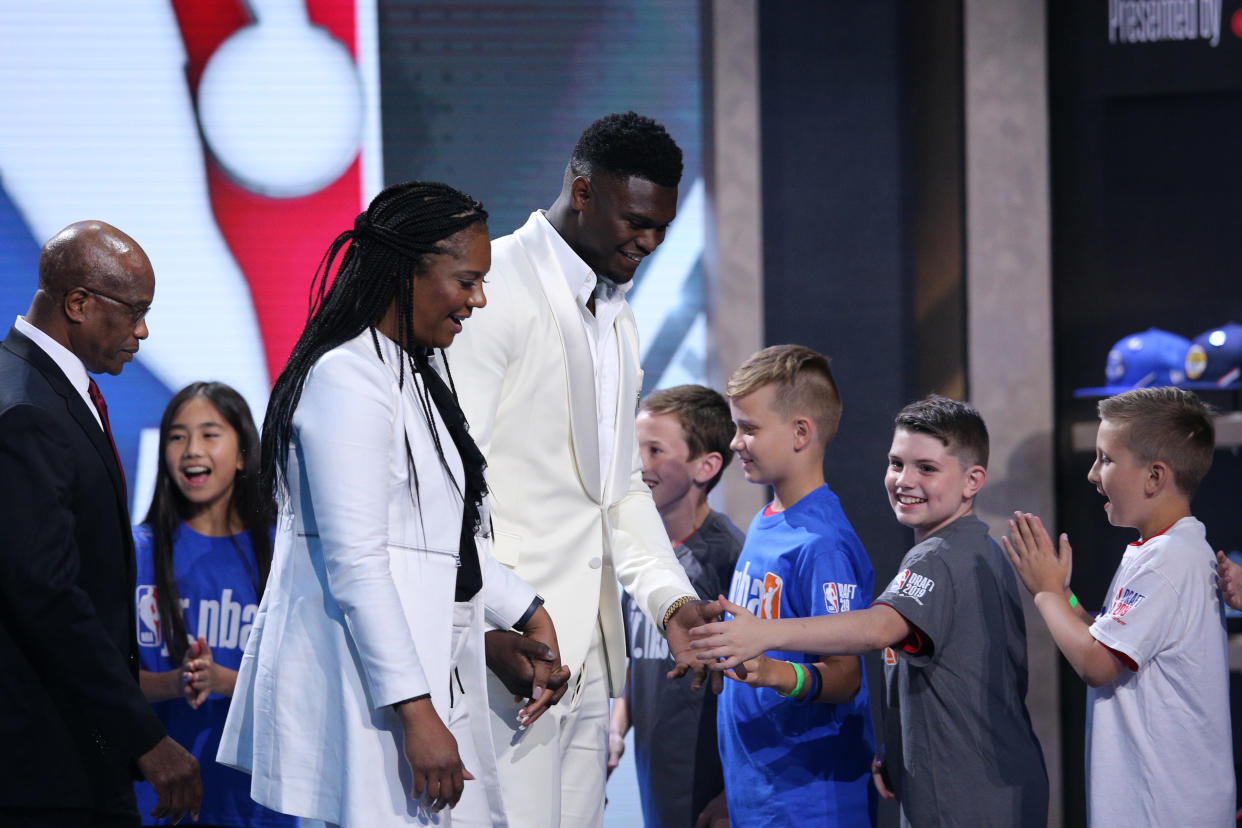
(1214, 359)
(1152, 358)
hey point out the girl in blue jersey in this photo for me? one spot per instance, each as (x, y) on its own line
(203, 555)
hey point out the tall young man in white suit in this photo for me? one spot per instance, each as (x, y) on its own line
(549, 378)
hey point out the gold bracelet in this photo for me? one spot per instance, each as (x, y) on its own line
(676, 605)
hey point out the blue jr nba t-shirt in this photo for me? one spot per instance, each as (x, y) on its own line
(218, 584)
(789, 763)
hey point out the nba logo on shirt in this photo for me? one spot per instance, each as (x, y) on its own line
(148, 617)
(831, 601)
(770, 605)
(837, 596)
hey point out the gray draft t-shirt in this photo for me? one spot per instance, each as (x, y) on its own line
(957, 736)
(675, 754)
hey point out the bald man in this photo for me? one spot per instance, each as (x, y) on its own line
(76, 728)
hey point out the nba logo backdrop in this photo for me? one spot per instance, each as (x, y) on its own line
(234, 140)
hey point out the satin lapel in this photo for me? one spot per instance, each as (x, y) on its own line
(20, 344)
(579, 372)
(628, 391)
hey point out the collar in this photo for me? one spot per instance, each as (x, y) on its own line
(582, 281)
(64, 358)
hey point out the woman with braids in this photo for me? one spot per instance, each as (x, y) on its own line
(361, 699)
(203, 555)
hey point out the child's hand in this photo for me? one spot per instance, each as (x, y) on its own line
(879, 775)
(715, 814)
(197, 673)
(757, 672)
(1029, 547)
(616, 749)
(1229, 580)
(726, 644)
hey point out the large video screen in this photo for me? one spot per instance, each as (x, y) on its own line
(233, 140)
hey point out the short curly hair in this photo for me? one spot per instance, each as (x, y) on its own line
(625, 145)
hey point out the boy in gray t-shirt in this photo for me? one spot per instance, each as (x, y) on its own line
(956, 730)
(683, 440)
(958, 748)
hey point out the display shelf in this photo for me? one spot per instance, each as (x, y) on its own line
(1228, 432)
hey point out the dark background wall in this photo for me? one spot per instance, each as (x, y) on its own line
(1147, 215)
(861, 123)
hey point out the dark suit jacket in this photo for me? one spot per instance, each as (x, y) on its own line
(72, 717)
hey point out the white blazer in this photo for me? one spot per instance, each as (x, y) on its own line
(358, 610)
(527, 384)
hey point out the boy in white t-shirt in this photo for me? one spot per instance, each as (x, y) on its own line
(1158, 737)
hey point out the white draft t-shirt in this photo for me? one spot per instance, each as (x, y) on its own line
(1159, 745)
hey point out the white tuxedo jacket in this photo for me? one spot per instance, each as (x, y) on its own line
(358, 610)
(527, 384)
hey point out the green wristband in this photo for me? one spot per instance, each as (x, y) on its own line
(1073, 600)
(801, 671)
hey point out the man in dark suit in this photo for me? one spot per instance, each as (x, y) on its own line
(74, 725)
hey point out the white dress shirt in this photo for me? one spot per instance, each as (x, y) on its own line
(65, 359)
(602, 336)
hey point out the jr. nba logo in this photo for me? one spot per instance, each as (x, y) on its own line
(148, 617)
(770, 606)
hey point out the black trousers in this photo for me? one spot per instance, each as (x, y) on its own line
(120, 811)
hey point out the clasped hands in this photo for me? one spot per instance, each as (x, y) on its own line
(685, 632)
(197, 673)
(529, 665)
(734, 647)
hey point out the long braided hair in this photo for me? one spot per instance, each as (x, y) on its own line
(379, 258)
(250, 503)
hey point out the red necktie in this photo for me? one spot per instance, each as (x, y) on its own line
(102, 408)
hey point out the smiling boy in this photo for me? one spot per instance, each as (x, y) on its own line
(683, 439)
(1155, 658)
(958, 745)
(795, 733)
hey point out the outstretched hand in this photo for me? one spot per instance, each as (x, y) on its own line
(1041, 567)
(678, 631)
(727, 644)
(1229, 579)
(759, 671)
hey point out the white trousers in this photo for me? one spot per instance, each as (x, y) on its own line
(473, 810)
(552, 774)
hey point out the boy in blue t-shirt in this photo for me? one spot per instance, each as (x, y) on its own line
(795, 728)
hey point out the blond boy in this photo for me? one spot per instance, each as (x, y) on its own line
(795, 731)
(1158, 737)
